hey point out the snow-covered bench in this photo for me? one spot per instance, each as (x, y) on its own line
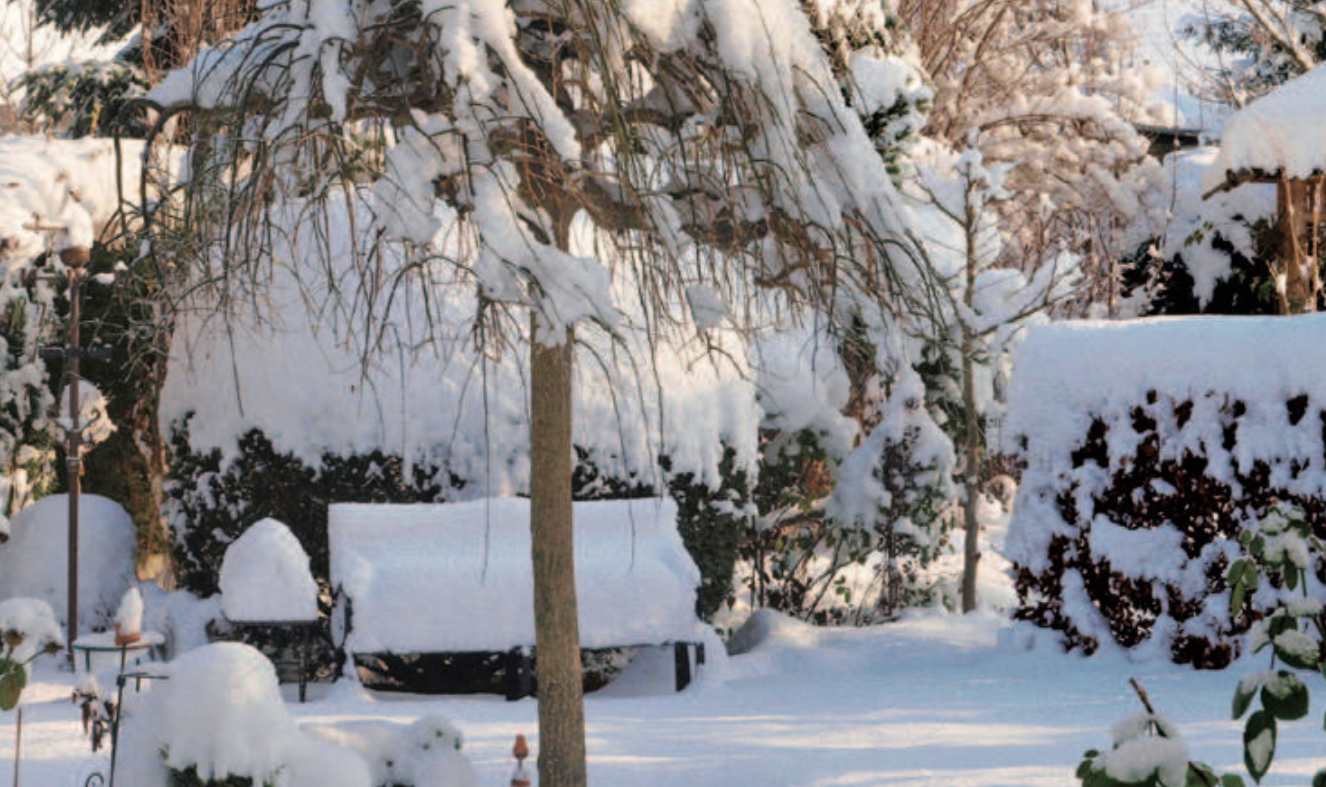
(456, 578)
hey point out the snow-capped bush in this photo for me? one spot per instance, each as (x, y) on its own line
(265, 576)
(426, 753)
(34, 561)
(1151, 447)
(218, 718)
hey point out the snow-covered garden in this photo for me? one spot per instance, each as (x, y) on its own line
(790, 392)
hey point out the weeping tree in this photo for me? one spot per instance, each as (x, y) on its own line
(536, 151)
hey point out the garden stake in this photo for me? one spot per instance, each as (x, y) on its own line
(519, 778)
(18, 743)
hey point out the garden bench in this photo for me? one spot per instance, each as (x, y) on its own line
(456, 579)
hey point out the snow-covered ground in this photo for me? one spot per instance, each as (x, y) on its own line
(930, 701)
(933, 700)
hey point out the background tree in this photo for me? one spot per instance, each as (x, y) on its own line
(1048, 87)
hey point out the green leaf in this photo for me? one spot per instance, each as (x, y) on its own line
(1236, 599)
(1235, 573)
(1200, 775)
(1291, 578)
(1243, 694)
(1297, 649)
(1319, 779)
(13, 678)
(1285, 697)
(1259, 744)
(1232, 780)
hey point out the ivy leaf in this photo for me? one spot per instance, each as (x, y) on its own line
(1247, 689)
(13, 678)
(1259, 744)
(1285, 697)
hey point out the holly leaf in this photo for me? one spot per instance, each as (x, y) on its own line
(1285, 697)
(1259, 744)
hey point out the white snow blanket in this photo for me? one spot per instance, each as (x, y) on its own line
(70, 184)
(457, 577)
(35, 560)
(265, 577)
(1278, 134)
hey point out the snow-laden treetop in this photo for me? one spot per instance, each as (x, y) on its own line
(686, 130)
(1278, 135)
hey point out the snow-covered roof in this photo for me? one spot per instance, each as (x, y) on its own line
(1279, 135)
(457, 577)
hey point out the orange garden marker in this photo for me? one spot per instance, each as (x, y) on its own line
(519, 777)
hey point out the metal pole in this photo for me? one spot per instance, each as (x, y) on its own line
(75, 259)
(18, 744)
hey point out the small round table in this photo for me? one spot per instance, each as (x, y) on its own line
(104, 642)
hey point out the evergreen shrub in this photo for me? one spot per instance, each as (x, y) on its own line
(1134, 541)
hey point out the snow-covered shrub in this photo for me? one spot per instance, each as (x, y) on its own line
(1213, 255)
(1151, 448)
(424, 753)
(265, 576)
(217, 719)
(34, 561)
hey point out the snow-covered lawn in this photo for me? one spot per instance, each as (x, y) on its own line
(930, 701)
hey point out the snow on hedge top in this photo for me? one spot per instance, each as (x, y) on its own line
(1278, 134)
(265, 577)
(456, 577)
(67, 183)
(34, 561)
(1068, 372)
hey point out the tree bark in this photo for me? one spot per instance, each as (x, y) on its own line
(556, 624)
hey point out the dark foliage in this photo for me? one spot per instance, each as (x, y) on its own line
(1152, 487)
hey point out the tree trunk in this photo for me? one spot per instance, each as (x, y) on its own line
(971, 553)
(556, 624)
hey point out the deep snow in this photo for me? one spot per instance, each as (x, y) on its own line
(932, 700)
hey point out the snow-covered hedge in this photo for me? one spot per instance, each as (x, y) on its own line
(1150, 446)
